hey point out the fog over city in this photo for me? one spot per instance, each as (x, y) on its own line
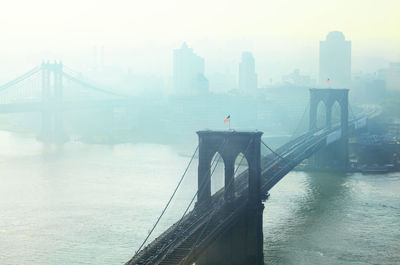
(104, 104)
(128, 46)
(139, 36)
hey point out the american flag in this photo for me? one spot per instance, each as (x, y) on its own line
(227, 119)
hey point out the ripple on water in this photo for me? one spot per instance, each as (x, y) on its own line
(93, 204)
(349, 220)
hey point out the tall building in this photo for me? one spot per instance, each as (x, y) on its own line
(189, 72)
(335, 60)
(247, 74)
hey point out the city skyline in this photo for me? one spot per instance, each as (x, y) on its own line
(96, 64)
(188, 72)
(142, 35)
(247, 75)
(225, 132)
(335, 60)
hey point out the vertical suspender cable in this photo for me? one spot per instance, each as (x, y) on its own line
(169, 201)
(214, 211)
(203, 184)
(300, 122)
(200, 189)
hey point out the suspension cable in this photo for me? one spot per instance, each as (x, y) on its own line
(301, 121)
(204, 182)
(75, 76)
(270, 149)
(200, 189)
(92, 87)
(71, 70)
(20, 78)
(215, 209)
(169, 201)
(281, 169)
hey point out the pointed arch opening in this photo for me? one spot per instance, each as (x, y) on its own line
(336, 113)
(241, 164)
(217, 178)
(240, 174)
(321, 115)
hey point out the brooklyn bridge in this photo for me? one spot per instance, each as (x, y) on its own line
(226, 228)
(223, 228)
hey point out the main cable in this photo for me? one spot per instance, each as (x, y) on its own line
(200, 189)
(301, 121)
(215, 209)
(270, 149)
(169, 201)
(203, 184)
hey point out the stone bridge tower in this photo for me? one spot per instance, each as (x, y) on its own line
(52, 97)
(336, 155)
(242, 242)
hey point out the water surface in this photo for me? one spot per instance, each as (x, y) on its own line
(94, 204)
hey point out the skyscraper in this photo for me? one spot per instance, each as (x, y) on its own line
(247, 74)
(189, 72)
(335, 60)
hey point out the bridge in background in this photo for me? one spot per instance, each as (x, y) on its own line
(53, 90)
(226, 228)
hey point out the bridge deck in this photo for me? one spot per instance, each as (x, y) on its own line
(183, 243)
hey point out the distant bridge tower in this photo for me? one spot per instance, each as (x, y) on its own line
(334, 156)
(52, 97)
(242, 243)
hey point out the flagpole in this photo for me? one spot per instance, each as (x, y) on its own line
(228, 119)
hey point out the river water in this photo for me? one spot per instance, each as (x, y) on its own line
(94, 204)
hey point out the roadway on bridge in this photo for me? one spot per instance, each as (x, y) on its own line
(183, 242)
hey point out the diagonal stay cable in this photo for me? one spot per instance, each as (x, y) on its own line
(215, 209)
(276, 177)
(270, 149)
(301, 121)
(188, 207)
(274, 162)
(205, 182)
(169, 201)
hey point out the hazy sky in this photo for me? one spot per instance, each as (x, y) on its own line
(276, 31)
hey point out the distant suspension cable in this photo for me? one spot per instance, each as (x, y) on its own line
(270, 149)
(20, 78)
(87, 85)
(169, 201)
(301, 121)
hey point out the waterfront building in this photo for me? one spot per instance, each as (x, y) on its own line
(188, 73)
(335, 61)
(247, 74)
